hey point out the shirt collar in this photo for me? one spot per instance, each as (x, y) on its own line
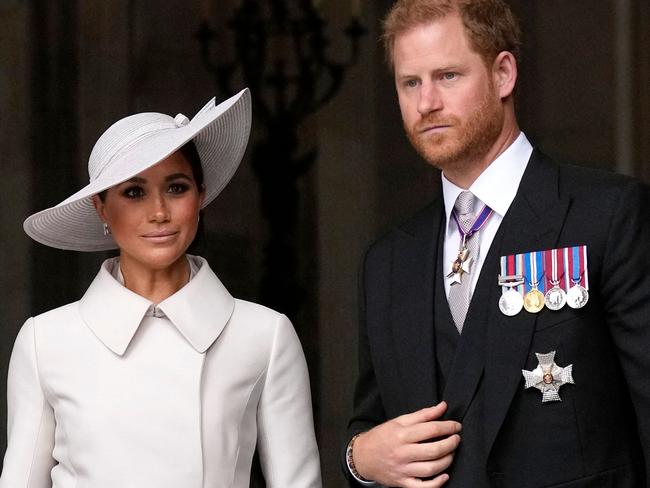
(497, 185)
(199, 310)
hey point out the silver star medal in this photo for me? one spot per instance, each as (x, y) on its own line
(548, 377)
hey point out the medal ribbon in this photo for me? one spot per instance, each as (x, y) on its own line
(566, 253)
(478, 223)
(576, 273)
(510, 266)
(545, 267)
(556, 266)
(577, 263)
(511, 273)
(584, 271)
(521, 271)
(534, 263)
(539, 265)
(528, 271)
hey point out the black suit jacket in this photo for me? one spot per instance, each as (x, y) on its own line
(599, 434)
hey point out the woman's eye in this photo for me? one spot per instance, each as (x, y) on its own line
(178, 188)
(412, 83)
(133, 192)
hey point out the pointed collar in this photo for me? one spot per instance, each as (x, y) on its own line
(200, 310)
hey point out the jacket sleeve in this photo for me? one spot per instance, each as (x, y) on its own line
(28, 461)
(286, 439)
(625, 289)
(368, 406)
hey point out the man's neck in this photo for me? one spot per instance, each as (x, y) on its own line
(465, 174)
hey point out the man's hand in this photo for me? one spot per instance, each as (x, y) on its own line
(402, 451)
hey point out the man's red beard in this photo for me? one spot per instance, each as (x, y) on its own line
(461, 144)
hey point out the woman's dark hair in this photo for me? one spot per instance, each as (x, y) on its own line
(190, 153)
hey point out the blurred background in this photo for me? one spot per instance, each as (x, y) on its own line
(328, 168)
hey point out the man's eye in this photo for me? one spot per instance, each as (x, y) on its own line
(449, 76)
(178, 188)
(133, 192)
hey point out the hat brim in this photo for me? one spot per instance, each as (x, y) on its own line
(220, 133)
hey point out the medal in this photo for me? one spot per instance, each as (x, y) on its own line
(534, 299)
(511, 301)
(555, 297)
(463, 254)
(463, 262)
(577, 296)
(548, 377)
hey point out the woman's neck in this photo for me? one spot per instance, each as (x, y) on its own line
(152, 283)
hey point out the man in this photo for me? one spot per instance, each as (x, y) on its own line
(459, 385)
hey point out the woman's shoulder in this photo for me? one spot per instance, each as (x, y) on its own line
(263, 332)
(262, 323)
(256, 311)
(48, 328)
(258, 318)
(65, 314)
(54, 327)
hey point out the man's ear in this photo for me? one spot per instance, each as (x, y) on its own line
(99, 207)
(504, 73)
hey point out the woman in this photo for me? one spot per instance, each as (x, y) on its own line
(157, 377)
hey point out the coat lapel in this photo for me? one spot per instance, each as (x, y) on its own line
(111, 311)
(533, 222)
(413, 268)
(201, 309)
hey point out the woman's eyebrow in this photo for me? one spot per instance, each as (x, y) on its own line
(177, 175)
(142, 181)
(135, 179)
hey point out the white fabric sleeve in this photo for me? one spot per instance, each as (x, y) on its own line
(286, 439)
(28, 461)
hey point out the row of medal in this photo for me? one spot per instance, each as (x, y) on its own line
(552, 279)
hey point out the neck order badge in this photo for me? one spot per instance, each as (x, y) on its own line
(462, 263)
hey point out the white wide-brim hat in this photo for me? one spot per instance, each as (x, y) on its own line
(134, 144)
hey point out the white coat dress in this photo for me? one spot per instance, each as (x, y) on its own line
(111, 392)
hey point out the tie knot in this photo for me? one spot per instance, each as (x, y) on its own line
(464, 208)
(464, 203)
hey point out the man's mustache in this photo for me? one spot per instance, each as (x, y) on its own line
(429, 121)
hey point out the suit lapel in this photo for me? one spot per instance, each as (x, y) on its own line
(533, 222)
(413, 271)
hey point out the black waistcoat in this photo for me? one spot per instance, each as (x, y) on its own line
(459, 368)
